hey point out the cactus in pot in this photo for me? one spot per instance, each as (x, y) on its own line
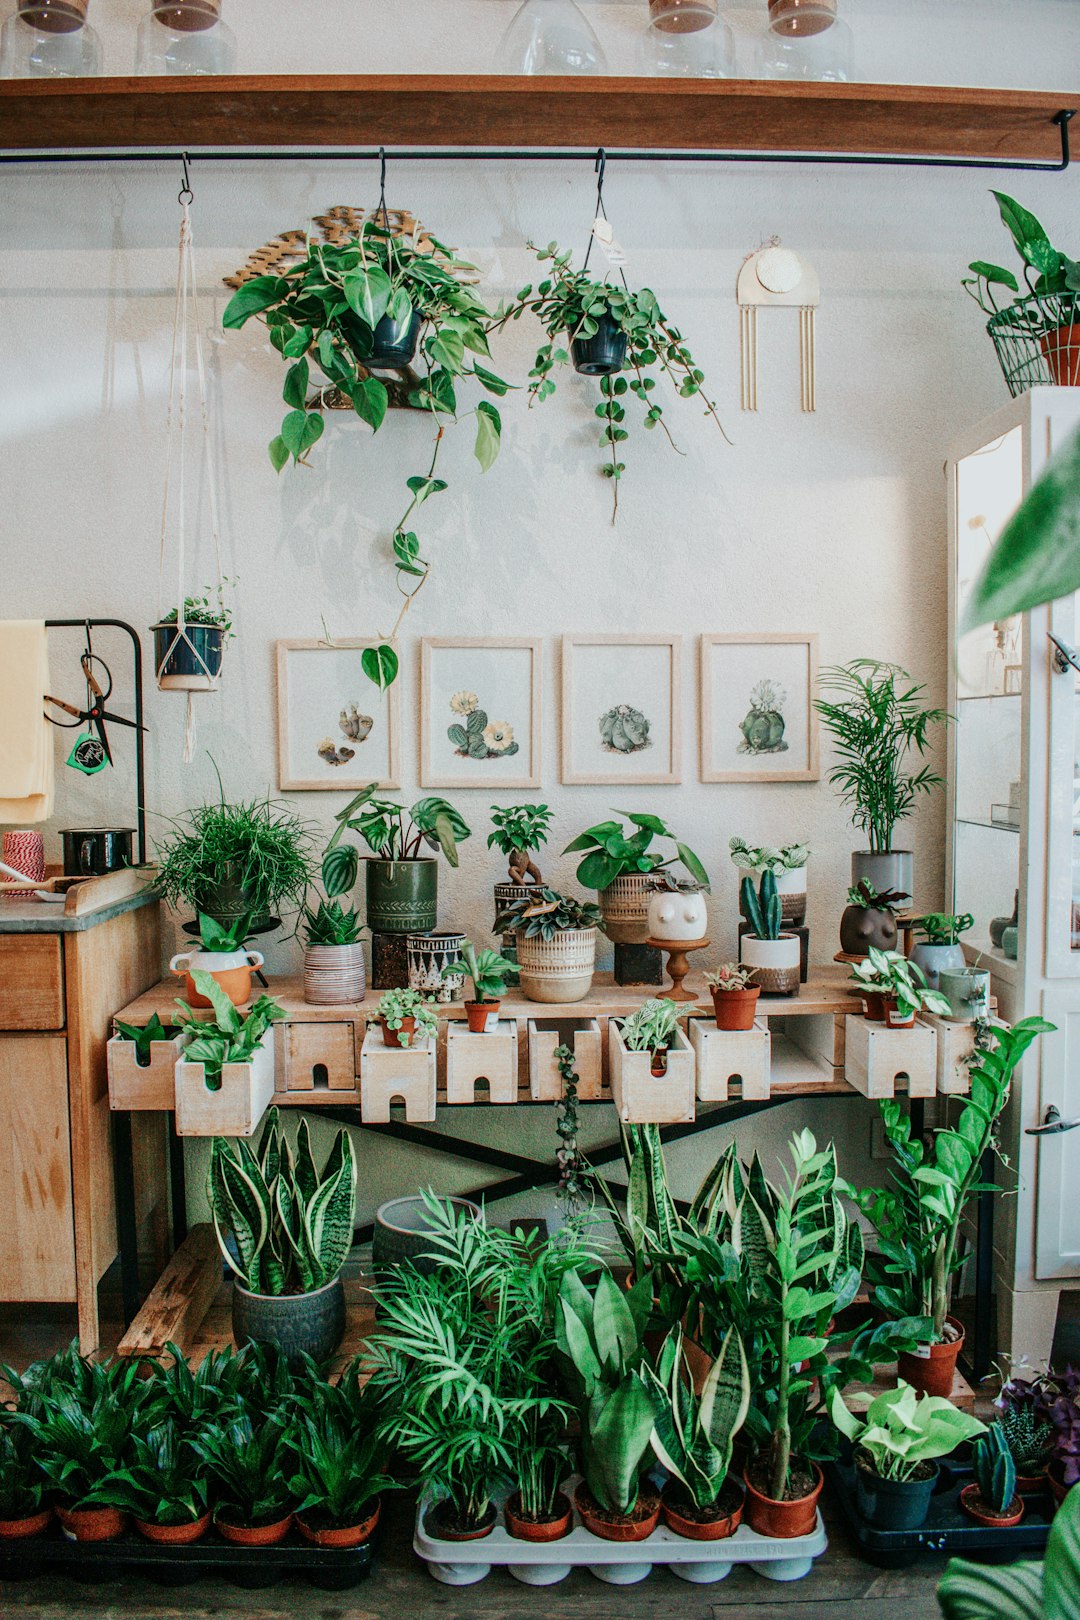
(773, 955)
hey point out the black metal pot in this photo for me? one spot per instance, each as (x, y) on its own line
(93, 851)
(181, 659)
(310, 1324)
(604, 353)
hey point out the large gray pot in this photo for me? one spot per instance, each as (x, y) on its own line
(310, 1324)
(403, 1233)
(891, 869)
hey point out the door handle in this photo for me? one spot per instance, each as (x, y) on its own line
(1053, 1124)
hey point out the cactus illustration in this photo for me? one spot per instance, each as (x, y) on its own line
(763, 728)
(479, 737)
(624, 730)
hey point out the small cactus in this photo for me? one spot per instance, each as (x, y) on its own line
(995, 1471)
(624, 730)
(764, 909)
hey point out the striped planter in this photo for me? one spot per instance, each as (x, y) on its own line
(625, 905)
(333, 974)
(559, 969)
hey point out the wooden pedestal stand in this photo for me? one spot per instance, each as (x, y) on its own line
(677, 965)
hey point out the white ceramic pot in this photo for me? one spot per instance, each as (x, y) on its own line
(791, 887)
(231, 969)
(427, 955)
(776, 963)
(334, 974)
(677, 914)
(625, 906)
(559, 969)
(934, 959)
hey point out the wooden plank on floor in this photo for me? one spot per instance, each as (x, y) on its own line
(179, 1300)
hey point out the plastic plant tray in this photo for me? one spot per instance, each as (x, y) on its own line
(620, 1563)
(948, 1529)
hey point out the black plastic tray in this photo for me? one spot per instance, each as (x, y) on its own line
(331, 1569)
(948, 1529)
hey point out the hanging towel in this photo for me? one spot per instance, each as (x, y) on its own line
(26, 742)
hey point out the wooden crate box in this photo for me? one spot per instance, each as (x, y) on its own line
(149, 1089)
(492, 1057)
(643, 1098)
(955, 1044)
(583, 1034)
(731, 1062)
(317, 1056)
(238, 1105)
(396, 1074)
(876, 1058)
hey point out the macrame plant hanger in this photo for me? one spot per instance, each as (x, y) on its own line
(187, 333)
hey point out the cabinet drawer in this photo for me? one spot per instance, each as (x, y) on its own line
(31, 982)
(37, 1234)
(319, 1057)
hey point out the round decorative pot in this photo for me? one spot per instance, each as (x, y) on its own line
(229, 898)
(393, 343)
(932, 1369)
(558, 969)
(625, 907)
(340, 1535)
(893, 1504)
(173, 1535)
(863, 926)
(403, 1233)
(91, 1524)
(884, 870)
(735, 1009)
(392, 1037)
(334, 974)
(894, 1019)
(725, 1523)
(482, 1016)
(973, 1506)
(782, 1519)
(538, 1530)
(677, 914)
(32, 1524)
(437, 1524)
(310, 1324)
(402, 896)
(791, 887)
(254, 1535)
(506, 894)
(776, 963)
(933, 959)
(1062, 350)
(602, 354)
(232, 970)
(428, 955)
(634, 1526)
(967, 990)
(190, 662)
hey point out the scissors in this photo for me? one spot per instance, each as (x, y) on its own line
(95, 713)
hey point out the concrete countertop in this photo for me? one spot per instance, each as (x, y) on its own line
(49, 917)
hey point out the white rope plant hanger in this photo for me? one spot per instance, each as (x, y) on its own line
(187, 335)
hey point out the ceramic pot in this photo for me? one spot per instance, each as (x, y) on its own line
(392, 1037)
(677, 914)
(863, 926)
(998, 925)
(436, 1526)
(972, 1504)
(254, 1535)
(93, 851)
(402, 1233)
(782, 1519)
(558, 969)
(393, 343)
(338, 1535)
(91, 1524)
(884, 870)
(625, 907)
(402, 896)
(334, 974)
(735, 1009)
(791, 887)
(892, 1504)
(542, 1530)
(32, 1524)
(506, 894)
(934, 958)
(697, 1530)
(776, 963)
(310, 1324)
(483, 1016)
(173, 1535)
(1062, 350)
(428, 955)
(636, 1526)
(603, 354)
(933, 1370)
(190, 662)
(1032, 1484)
(232, 970)
(229, 898)
(967, 990)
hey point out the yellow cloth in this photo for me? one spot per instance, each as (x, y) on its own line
(26, 742)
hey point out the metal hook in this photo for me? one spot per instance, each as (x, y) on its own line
(382, 189)
(599, 167)
(185, 194)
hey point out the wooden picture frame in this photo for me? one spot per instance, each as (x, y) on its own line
(335, 760)
(786, 732)
(475, 712)
(594, 744)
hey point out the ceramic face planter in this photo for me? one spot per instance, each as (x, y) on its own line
(231, 969)
(863, 926)
(933, 959)
(677, 914)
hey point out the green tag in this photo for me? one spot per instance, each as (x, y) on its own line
(87, 755)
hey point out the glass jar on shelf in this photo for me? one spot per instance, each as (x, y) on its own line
(185, 37)
(550, 36)
(806, 39)
(49, 39)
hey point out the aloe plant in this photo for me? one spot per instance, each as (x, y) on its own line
(995, 1471)
(692, 1435)
(292, 1226)
(762, 907)
(141, 1036)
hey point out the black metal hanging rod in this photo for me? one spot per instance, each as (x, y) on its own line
(473, 154)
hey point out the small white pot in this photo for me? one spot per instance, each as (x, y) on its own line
(776, 963)
(677, 915)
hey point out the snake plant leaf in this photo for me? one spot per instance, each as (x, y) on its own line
(574, 1340)
(614, 1331)
(725, 1395)
(981, 1592)
(619, 1428)
(328, 1220)
(236, 1199)
(307, 1177)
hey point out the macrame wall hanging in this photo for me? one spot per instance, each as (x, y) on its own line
(776, 278)
(182, 661)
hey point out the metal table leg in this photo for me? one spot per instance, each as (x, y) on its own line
(177, 1183)
(984, 1273)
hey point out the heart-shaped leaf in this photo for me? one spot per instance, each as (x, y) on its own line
(380, 664)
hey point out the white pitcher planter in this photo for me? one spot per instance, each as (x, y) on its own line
(776, 963)
(677, 915)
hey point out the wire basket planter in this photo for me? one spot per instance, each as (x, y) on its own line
(1037, 340)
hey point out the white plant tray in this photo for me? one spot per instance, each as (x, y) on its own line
(619, 1563)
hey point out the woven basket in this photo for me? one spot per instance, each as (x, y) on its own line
(625, 905)
(559, 969)
(1037, 340)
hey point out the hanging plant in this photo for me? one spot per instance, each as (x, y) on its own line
(623, 337)
(377, 299)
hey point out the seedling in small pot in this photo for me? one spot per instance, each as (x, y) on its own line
(734, 995)
(894, 989)
(992, 1497)
(651, 1028)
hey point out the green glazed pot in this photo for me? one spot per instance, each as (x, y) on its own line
(402, 896)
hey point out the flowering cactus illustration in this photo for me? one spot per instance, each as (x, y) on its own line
(763, 728)
(479, 738)
(624, 730)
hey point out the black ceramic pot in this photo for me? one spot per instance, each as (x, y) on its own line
(393, 343)
(402, 896)
(93, 851)
(229, 899)
(863, 926)
(602, 354)
(190, 661)
(893, 1504)
(310, 1324)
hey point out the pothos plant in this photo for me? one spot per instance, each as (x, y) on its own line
(324, 311)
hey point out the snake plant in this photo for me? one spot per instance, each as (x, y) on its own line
(693, 1434)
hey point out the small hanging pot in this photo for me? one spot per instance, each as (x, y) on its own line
(603, 354)
(188, 660)
(393, 343)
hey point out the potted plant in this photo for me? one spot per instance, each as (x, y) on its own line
(1063, 1470)
(291, 1229)
(333, 955)
(677, 911)
(773, 956)
(231, 1037)
(223, 957)
(918, 1215)
(556, 943)
(339, 1474)
(893, 989)
(25, 1509)
(652, 1028)
(608, 329)
(1045, 319)
(977, 1591)
(693, 1433)
(236, 860)
(518, 832)
(869, 919)
(489, 973)
(896, 1446)
(967, 991)
(190, 660)
(81, 1431)
(939, 946)
(165, 1486)
(992, 1497)
(1024, 1419)
(402, 884)
(619, 867)
(734, 998)
(247, 1460)
(788, 867)
(878, 717)
(406, 1015)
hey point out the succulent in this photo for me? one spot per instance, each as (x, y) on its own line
(763, 727)
(763, 907)
(543, 913)
(479, 738)
(1030, 1438)
(624, 730)
(332, 924)
(995, 1471)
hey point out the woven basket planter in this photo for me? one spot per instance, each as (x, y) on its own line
(559, 969)
(625, 905)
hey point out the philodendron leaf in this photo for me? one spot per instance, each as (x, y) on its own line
(1037, 556)
(380, 664)
(995, 273)
(488, 434)
(296, 385)
(423, 487)
(255, 295)
(279, 452)
(1022, 224)
(370, 400)
(300, 430)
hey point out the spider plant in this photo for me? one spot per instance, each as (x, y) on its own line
(260, 846)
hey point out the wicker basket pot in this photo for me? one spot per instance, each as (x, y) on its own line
(625, 905)
(559, 969)
(334, 974)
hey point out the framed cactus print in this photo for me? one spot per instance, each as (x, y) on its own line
(480, 711)
(758, 721)
(621, 709)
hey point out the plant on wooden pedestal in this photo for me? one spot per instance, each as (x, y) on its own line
(692, 1434)
(232, 1037)
(408, 1015)
(518, 832)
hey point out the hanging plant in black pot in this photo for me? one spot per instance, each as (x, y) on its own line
(188, 657)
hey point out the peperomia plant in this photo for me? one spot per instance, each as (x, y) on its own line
(763, 858)
(611, 852)
(544, 914)
(397, 1006)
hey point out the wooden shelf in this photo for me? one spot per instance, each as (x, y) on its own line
(492, 111)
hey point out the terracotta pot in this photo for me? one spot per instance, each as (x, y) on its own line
(392, 1037)
(1058, 1489)
(1062, 350)
(621, 1527)
(439, 1530)
(341, 1535)
(91, 1524)
(21, 1529)
(782, 1519)
(934, 1372)
(1032, 1484)
(542, 1530)
(231, 970)
(735, 1009)
(971, 1502)
(254, 1535)
(893, 1018)
(873, 1007)
(693, 1530)
(482, 1016)
(173, 1535)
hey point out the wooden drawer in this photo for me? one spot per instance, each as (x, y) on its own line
(318, 1056)
(37, 1235)
(31, 981)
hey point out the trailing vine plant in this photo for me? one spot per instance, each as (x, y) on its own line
(572, 1189)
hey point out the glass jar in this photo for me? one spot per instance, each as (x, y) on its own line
(49, 39)
(801, 18)
(681, 16)
(550, 36)
(185, 37)
(706, 53)
(806, 39)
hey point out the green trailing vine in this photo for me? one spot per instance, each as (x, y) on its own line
(572, 1191)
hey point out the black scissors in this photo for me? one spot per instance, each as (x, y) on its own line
(95, 713)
